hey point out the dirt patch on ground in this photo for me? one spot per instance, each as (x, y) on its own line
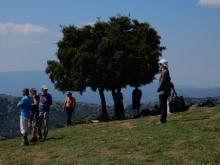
(38, 157)
(188, 161)
(104, 152)
(216, 116)
(133, 156)
(103, 131)
(127, 125)
(176, 144)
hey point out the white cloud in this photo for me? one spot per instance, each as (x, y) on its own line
(22, 29)
(210, 3)
(25, 34)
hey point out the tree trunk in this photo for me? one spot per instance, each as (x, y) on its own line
(113, 94)
(104, 116)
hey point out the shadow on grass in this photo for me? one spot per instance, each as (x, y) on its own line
(205, 118)
(55, 138)
(52, 138)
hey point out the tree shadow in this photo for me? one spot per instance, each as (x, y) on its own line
(55, 138)
(51, 138)
(205, 118)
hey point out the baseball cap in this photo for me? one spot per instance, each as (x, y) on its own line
(44, 87)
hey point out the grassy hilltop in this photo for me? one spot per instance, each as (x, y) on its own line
(190, 137)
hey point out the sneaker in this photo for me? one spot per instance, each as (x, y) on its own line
(161, 122)
(33, 139)
(24, 143)
(39, 137)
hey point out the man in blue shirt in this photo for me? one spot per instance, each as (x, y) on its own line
(45, 101)
(25, 105)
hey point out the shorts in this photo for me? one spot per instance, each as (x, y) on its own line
(33, 121)
(136, 105)
(24, 124)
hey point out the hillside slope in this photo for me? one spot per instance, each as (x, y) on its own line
(10, 114)
(190, 137)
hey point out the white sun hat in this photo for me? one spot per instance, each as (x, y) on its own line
(163, 62)
(44, 87)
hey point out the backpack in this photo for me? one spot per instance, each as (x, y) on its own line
(179, 105)
(172, 108)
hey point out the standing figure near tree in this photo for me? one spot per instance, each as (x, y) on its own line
(69, 105)
(25, 105)
(33, 121)
(163, 89)
(136, 98)
(119, 108)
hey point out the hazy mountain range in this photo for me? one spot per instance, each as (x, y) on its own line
(13, 82)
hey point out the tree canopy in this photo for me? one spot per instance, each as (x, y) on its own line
(119, 52)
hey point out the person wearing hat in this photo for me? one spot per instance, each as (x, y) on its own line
(25, 105)
(69, 105)
(33, 121)
(45, 101)
(163, 89)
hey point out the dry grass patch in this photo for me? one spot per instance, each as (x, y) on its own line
(105, 152)
(215, 116)
(127, 125)
(133, 156)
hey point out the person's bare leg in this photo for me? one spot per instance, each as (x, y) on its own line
(34, 131)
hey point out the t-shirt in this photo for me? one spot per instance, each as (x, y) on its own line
(118, 97)
(136, 94)
(44, 102)
(26, 102)
(34, 108)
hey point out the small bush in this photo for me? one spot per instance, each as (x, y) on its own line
(59, 125)
(79, 120)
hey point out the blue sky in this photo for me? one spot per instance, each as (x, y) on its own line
(190, 30)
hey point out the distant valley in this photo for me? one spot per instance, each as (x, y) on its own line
(13, 82)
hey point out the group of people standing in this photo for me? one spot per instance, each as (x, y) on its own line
(164, 90)
(119, 107)
(34, 110)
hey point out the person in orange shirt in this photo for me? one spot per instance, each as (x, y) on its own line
(69, 105)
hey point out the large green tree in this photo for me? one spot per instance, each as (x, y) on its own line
(104, 56)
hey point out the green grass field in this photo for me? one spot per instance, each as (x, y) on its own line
(191, 137)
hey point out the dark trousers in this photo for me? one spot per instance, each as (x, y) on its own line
(119, 110)
(163, 107)
(69, 112)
